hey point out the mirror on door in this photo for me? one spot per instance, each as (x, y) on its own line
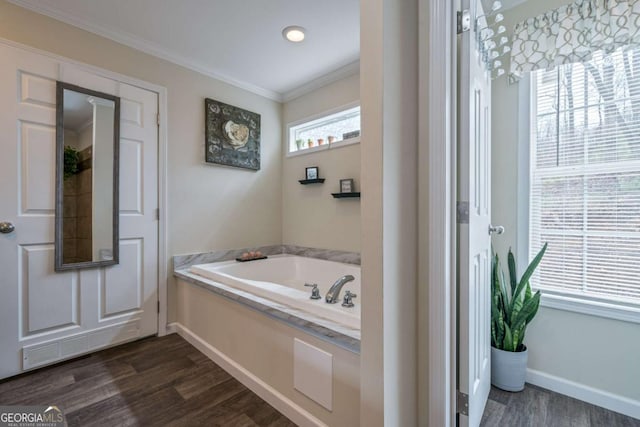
(87, 141)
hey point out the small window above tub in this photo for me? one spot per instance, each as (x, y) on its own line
(328, 130)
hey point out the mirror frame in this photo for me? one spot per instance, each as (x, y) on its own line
(58, 243)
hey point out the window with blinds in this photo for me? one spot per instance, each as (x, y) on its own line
(585, 177)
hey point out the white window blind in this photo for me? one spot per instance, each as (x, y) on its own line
(585, 176)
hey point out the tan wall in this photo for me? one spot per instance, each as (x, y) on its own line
(265, 349)
(589, 350)
(310, 215)
(210, 207)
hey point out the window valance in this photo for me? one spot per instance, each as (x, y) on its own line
(571, 33)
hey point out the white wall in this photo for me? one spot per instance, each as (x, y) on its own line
(593, 351)
(310, 215)
(210, 207)
(389, 153)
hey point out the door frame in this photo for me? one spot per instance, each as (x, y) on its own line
(438, 242)
(161, 91)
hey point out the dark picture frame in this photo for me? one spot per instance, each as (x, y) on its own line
(59, 259)
(346, 185)
(312, 172)
(232, 135)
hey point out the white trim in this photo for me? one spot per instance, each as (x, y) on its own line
(172, 328)
(324, 147)
(604, 399)
(591, 306)
(522, 213)
(144, 46)
(163, 206)
(163, 143)
(319, 82)
(440, 187)
(283, 404)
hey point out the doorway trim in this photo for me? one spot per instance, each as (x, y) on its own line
(437, 206)
(163, 142)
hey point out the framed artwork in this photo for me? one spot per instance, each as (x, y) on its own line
(346, 185)
(312, 172)
(232, 135)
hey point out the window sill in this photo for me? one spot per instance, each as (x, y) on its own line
(625, 312)
(325, 147)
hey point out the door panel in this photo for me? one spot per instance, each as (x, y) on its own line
(474, 244)
(47, 316)
(37, 166)
(131, 168)
(122, 284)
(51, 300)
(37, 90)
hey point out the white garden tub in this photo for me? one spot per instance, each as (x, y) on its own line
(281, 278)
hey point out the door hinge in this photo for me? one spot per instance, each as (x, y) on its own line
(157, 214)
(464, 21)
(158, 119)
(462, 212)
(158, 306)
(462, 403)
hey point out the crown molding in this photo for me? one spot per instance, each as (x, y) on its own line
(146, 47)
(339, 74)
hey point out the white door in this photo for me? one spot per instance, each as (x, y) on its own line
(474, 213)
(47, 316)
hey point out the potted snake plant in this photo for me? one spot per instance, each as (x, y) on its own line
(513, 307)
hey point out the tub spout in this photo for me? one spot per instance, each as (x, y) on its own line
(333, 295)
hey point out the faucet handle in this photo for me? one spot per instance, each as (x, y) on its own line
(348, 299)
(315, 292)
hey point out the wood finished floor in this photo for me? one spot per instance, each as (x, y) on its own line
(153, 382)
(535, 406)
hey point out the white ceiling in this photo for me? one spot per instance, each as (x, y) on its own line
(238, 41)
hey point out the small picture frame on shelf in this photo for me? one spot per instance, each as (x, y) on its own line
(346, 185)
(311, 172)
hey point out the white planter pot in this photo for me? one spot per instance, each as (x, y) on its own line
(508, 369)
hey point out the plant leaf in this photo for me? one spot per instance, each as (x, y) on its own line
(535, 304)
(518, 333)
(529, 310)
(508, 339)
(504, 296)
(533, 265)
(511, 264)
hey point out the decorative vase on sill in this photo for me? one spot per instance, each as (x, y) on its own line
(299, 143)
(331, 139)
(320, 141)
(310, 143)
(512, 309)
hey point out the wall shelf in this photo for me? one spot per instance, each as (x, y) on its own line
(346, 195)
(311, 181)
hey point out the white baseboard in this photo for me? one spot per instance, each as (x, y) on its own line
(286, 406)
(172, 328)
(595, 396)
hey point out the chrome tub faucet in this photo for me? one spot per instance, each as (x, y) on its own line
(334, 292)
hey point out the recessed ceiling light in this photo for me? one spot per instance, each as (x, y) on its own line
(293, 33)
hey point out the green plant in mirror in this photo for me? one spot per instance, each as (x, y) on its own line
(71, 161)
(514, 306)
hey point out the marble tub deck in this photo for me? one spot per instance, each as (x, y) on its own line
(325, 329)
